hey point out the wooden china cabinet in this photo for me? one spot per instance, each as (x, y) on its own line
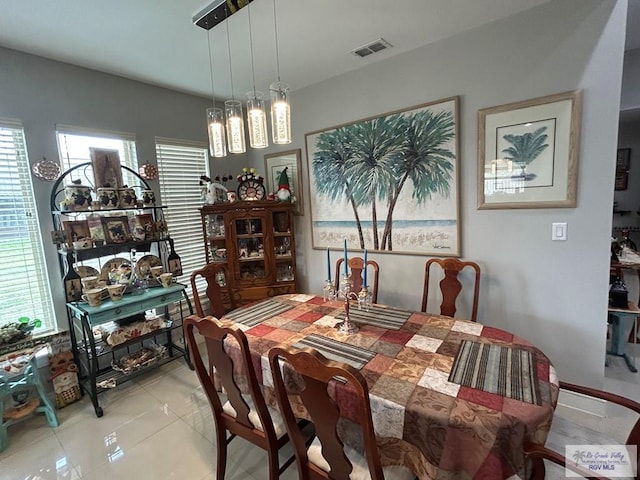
(256, 241)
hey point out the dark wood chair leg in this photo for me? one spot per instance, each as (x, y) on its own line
(221, 440)
(274, 468)
(538, 469)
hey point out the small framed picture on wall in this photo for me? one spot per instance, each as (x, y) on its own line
(623, 164)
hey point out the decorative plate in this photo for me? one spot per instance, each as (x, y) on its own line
(86, 271)
(46, 170)
(143, 266)
(148, 171)
(111, 264)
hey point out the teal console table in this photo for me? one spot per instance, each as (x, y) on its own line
(22, 381)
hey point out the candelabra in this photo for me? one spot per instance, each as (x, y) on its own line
(363, 297)
(328, 292)
(347, 326)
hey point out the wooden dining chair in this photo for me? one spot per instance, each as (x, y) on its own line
(538, 453)
(356, 265)
(220, 302)
(327, 457)
(244, 415)
(450, 286)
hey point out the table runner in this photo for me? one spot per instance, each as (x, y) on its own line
(256, 314)
(506, 371)
(379, 316)
(334, 350)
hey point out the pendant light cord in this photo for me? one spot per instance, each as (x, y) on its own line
(275, 26)
(253, 73)
(226, 10)
(213, 96)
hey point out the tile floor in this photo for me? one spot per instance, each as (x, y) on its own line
(617, 376)
(159, 426)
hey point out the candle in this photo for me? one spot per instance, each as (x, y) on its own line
(365, 268)
(328, 265)
(346, 266)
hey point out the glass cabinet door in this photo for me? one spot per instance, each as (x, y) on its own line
(283, 246)
(250, 249)
(215, 229)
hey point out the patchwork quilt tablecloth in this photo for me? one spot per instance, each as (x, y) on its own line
(451, 399)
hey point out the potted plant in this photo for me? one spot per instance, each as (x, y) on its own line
(15, 331)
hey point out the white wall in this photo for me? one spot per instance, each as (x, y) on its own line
(43, 93)
(552, 293)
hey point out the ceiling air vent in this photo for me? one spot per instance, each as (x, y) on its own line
(373, 47)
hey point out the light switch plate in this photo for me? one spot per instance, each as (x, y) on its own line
(559, 231)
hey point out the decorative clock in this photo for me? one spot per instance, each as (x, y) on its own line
(251, 189)
(251, 185)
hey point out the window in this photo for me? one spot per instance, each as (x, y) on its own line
(24, 285)
(74, 144)
(180, 165)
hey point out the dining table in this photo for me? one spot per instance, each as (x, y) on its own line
(450, 399)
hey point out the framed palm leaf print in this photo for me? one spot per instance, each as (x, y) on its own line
(528, 153)
(389, 183)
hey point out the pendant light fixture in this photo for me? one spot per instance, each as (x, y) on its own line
(280, 107)
(215, 117)
(233, 113)
(256, 114)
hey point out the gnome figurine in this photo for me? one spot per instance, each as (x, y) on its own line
(284, 192)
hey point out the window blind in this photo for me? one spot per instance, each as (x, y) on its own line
(180, 165)
(24, 285)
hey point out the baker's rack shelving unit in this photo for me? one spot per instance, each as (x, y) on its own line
(92, 354)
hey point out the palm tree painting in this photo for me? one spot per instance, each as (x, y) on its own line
(388, 183)
(525, 148)
(529, 147)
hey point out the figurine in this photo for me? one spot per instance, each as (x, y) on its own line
(64, 378)
(284, 191)
(213, 192)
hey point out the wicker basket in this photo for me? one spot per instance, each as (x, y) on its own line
(143, 358)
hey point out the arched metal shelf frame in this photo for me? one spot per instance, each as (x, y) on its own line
(57, 191)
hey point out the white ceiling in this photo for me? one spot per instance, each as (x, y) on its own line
(154, 41)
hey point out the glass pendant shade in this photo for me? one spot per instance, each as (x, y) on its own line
(235, 126)
(257, 120)
(215, 126)
(280, 113)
